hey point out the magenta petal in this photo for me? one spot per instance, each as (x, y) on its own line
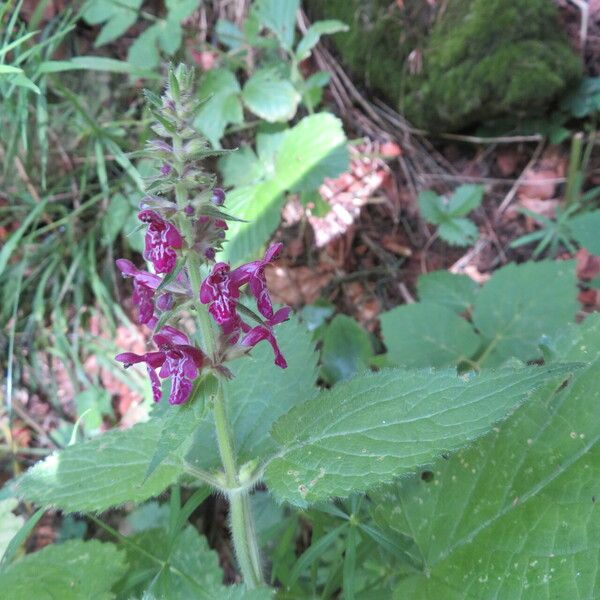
(130, 358)
(126, 267)
(273, 252)
(258, 287)
(194, 354)
(155, 383)
(169, 336)
(181, 388)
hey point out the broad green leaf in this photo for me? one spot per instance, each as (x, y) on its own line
(374, 428)
(456, 292)
(117, 17)
(313, 35)
(431, 207)
(346, 351)
(522, 303)
(458, 232)
(181, 9)
(259, 394)
(106, 471)
(427, 335)
(69, 571)
(144, 50)
(223, 106)
(260, 207)
(270, 97)
(191, 569)
(312, 150)
(465, 199)
(179, 422)
(280, 17)
(9, 523)
(514, 516)
(229, 34)
(92, 404)
(241, 168)
(585, 228)
(119, 210)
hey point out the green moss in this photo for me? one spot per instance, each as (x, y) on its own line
(482, 60)
(380, 38)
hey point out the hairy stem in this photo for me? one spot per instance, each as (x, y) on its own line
(241, 522)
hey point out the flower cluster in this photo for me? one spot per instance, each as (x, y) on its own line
(221, 291)
(186, 227)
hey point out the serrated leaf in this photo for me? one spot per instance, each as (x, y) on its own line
(585, 228)
(9, 523)
(455, 292)
(346, 351)
(312, 150)
(374, 428)
(465, 199)
(69, 571)
(270, 97)
(104, 472)
(521, 303)
(280, 17)
(427, 335)
(259, 394)
(431, 207)
(514, 516)
(313, 35)
(458, 232)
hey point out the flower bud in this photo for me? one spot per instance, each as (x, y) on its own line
(218, 196)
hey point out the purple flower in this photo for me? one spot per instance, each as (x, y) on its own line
(176, 359)
(221, 292)
(265, 332)
(162, 239)
(254, 274)
(166, 169)
(144, 287)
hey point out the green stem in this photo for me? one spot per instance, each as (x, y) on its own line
(241, 522)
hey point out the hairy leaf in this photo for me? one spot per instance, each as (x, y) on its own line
(106, 471)
(514, 516)
(259, 394)
(69, 571)
(376, 427)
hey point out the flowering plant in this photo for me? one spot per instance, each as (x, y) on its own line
(378, 464)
